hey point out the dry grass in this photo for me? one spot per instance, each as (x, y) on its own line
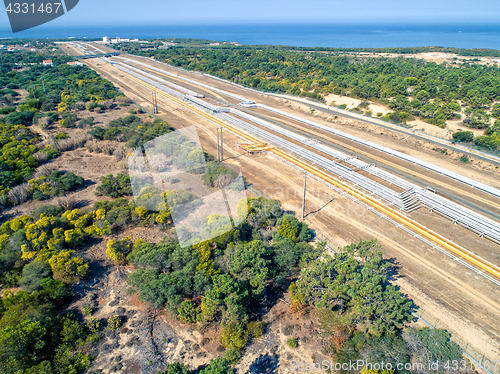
(119, 154)
(76, 141)
(72, 143)
(42, 171)
(102, 146)
(80, 105)
(158, 163)
(123, 99)
(41, 157)
(4, 201)
(67, 202)
(137, 164)
(19, 194)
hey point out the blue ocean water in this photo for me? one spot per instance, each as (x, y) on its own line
(301, 35)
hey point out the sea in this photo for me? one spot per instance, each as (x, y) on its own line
(458, 35)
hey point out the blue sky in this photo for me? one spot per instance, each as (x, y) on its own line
(113, 12)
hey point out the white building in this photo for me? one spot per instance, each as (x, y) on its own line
(105, 40)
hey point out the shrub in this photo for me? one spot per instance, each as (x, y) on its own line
(56, 184)
(68, 120)
(49, 210)
(255, 329)
(94, 325)
(292, 343)
(463, 136)
(487, 142)
(114, 322)
(465, 159)
(91, 106)
(115, 186)
(68, 268)
(188, 312)
(234, 337)
(87, 311)
(50, 153)
(62, 135)
(89, 121)
(218, 175)
(118, 250)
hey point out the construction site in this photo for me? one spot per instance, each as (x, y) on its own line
(437, 219)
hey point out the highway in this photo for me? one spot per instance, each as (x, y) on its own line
(486, 269)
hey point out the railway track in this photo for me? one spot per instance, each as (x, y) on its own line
(481, 266)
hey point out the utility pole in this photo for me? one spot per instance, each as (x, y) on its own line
(304, 198)
(43, 83)
(220, 145)
(155, 104)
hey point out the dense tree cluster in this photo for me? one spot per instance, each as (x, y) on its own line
(132, 130)
(411, 87)
(55, 184)
(39, 254)
(115, 186)
(17, 147)
(356, 289)
(216, 366)
(64, 87)
(235, 271)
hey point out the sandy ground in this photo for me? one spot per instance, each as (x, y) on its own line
(332, 99)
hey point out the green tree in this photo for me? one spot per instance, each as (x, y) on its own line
(218, 365)
(463, 136)
(188, 312)
(117, 250)
(288, 231)
(24, 341)
(33, 274)
(67, 267)
(176, 368)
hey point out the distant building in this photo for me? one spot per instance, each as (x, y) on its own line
(74, 63)
(105, 40)
(47, 63)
